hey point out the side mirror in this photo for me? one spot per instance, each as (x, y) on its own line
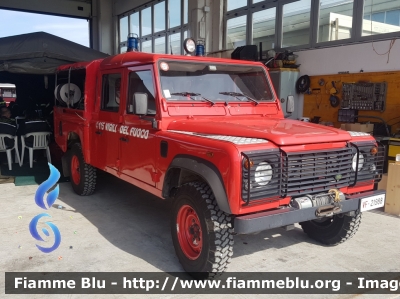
(141, 102)
(290, 104)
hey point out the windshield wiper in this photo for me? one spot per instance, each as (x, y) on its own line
(239, 94)
(191, 95)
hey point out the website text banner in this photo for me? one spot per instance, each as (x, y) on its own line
(182, 283)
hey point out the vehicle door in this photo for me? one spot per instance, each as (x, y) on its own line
(137, 136)
(106, 121)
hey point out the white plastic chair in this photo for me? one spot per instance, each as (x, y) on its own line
(40, 141)
(3, 148)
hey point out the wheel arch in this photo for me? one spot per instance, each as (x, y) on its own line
(72, 138)
(185, 168)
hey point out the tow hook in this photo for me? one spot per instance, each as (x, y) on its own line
(329, 210)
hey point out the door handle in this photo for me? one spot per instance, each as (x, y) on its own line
(99, 132)
(124, 139)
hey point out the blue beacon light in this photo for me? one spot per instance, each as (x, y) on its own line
(133, 42)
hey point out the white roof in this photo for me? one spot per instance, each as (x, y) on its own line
(7, 85)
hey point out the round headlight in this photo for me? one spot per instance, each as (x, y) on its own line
(263, 173)
(189, 45)
(360, 162)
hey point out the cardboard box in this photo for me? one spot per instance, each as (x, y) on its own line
(383, 183)
(357, 127)
(392, 204)
(394, 147)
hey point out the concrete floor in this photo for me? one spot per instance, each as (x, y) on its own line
(124, 229)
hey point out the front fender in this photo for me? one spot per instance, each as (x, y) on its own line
(206, 170)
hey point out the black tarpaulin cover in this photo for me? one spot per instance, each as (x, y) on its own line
(41, 53)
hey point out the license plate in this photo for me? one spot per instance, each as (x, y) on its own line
(373, 202)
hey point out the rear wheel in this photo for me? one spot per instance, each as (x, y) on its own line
(83, 175)
(201, 232)
(334, 230)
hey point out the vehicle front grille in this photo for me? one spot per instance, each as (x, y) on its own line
(300, 173)
(307, 173)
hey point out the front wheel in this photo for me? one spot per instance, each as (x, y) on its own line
(202, 234)
(334, 230)
(83, 175)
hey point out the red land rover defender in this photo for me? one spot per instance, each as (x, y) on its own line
(209, 135)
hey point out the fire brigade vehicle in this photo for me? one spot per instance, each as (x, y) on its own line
(209, 135)
(8, 92)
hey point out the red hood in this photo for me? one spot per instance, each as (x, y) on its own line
(279, 131)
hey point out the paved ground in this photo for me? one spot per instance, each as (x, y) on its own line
(121, 228)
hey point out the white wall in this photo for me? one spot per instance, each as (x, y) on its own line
(213, 19)
(351, 58)
(103, 26)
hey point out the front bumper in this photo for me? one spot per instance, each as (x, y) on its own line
(281, 217)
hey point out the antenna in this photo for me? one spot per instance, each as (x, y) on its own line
(169, 23)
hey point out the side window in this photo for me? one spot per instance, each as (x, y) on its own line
(141, 82)
(111, 92)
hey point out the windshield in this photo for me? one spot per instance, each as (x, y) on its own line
(188, 81)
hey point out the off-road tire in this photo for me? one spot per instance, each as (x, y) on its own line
(334, 230)
(216, 231)
(87, 181)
